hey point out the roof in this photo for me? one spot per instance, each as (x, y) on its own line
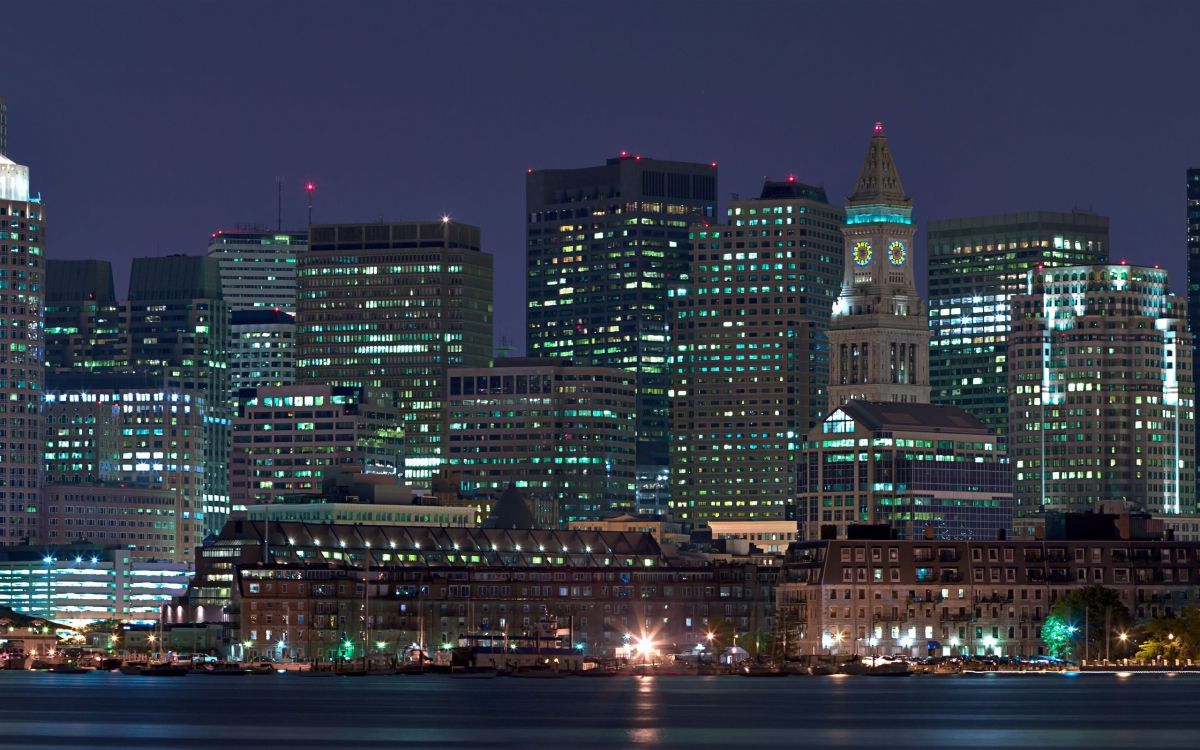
(879, 182)
(790, 189)
(907, 417)
(510, 512)
(260, 317)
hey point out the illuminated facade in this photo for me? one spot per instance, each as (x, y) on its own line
(78, 585)
(147, 522)
(604, 246)
(1193, 270)
(879, 335)
(22, 217)
(262, 349)
(287, 440)
(258, 268)
(1101, 392)
(179, 332)
(395, 306)
(87, 328)
(564, 434)
(129, 430)
(921, 468)
(976, 265)
(750, 354)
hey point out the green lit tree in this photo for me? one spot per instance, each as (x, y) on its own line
(1089, 616)
(1058, 636)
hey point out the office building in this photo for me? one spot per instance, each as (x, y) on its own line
(132, 432)
(87, 328)
(1193, 269)
(22, 259)
(975, 266)
(179, 332)
(288, 440)
(145, 521)
(562, 433)
(604, 246)
(1101, 392)
(750, 354)
(396, 306)
(262, 349)
(258, 267)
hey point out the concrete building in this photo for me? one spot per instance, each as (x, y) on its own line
(916, 598)
(922, 468)
(262, 349)
(1101, 392)
(87, 328)
(258, 267)
(288, 440)
(110, 433)
(976, 265)
(561, 432)
(749, 352)
(396, 306)
(376, 514)
(77, 585)
(664, 531)
(179, 333)
(21, 338)
(604, 246)
(1193, 271)
(772, 537)
(145, 521)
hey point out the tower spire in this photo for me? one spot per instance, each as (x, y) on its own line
(879, 182)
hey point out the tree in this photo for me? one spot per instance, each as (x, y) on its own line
(1171, 637)
(1083, 621)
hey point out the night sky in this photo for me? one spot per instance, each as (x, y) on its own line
(147, 125)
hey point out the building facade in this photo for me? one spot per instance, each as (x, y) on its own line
(562, 433)
(1101, 392)
(179, 333)
(258, 268)
(146, 522)
(87, 328)
(288, 440)
(605, 245)
(749, 352)
(879, 335)
(1193, 269)
(262, 349)
(976, 265)
(845, 597)
(22, 265)
(396, 306)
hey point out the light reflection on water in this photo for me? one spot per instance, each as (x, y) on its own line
(119, 711)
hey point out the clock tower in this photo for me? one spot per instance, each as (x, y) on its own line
(879, 334)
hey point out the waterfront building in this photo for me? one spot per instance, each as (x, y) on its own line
(749, 352)
(922, 468)
(1101, 392)
(262, 349)
(258, 267)
(604, 246)
(562, 433)
(976, 265)
(108, 431)
(78, 585)
(179, 333)
(921, 598)
(374, 513)
(288, 440)
(303, 597)
(395, 306)
(21, 338)
(87, 328)
(146, 521)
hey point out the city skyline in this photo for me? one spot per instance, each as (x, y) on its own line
(1114, 138)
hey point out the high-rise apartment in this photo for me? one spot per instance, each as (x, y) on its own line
(605, 245)
(258, 268)
(975, 266)
(179, 332)
(87, 328)
(395, 306)
(750, 353)
(563, 434)
(1101, 392)
(22, 262)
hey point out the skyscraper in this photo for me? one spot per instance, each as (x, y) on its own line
(750, 353)
(21, 371)
(87, 328)
(1193, 272)
(604, 246)
(975, 266)
(395, 306)
(262, 349)
(1101, 392)
(258, 268)
(179, 332)
(879, 337)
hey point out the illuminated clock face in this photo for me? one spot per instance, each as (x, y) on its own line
(862, 253)
(897, 252)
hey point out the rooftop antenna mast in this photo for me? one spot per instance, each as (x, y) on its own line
(278, 204)
(310, 188)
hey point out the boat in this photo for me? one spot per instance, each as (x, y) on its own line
(538, 673)
(763, 671)
(132, 668)
(821, 669)
(68, 669)
(164, 670)
(351, 673)
(223, 670)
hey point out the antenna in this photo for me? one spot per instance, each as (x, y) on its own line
(310, 188)
(278, 204)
